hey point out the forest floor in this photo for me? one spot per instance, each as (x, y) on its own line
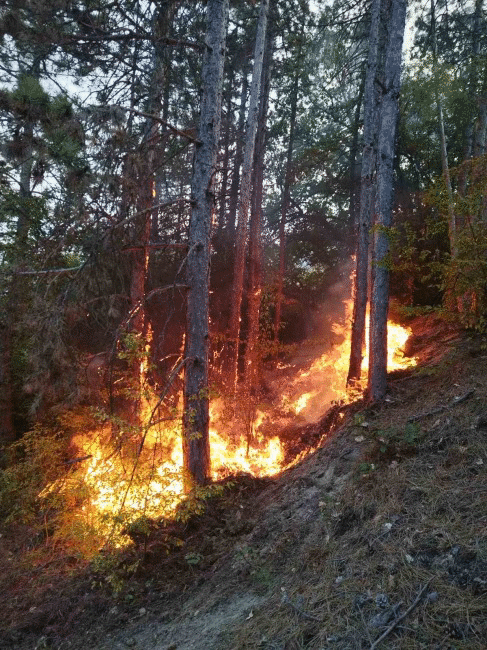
(378, 539)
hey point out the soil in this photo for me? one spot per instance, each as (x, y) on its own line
(377, 538)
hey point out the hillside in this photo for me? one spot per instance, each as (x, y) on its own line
(378, 539)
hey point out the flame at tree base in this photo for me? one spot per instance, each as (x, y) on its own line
(138, 481)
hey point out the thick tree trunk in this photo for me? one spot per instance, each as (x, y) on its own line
(245, 190)
(377, 381)
(367, 180)
(196, 446)
(255, 244)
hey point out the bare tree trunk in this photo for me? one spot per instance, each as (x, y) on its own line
(237, 164)
(377, 381)
(354, 167)
(26, 163)
(245, 189)
(472, 91)
(146, 198)
(255, 244)
(226, 157)
(196, 446)
(286, 196)
(452, 225)
(367, 180)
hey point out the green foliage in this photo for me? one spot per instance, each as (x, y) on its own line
(35, 461)
(395, 442)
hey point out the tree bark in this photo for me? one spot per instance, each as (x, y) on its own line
(144, 222)
(237, 164)
(377, 381)
(367, 180)
(255, 244)
(452, 225)
(293, 100)
(245, 190)
(196, 446)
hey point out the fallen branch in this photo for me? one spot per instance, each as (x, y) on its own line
(77, 460)
(285, 600)
(445, 407)
(400, 618)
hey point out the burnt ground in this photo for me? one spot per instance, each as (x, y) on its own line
(378, 539)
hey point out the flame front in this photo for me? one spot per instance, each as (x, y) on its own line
(147, 479)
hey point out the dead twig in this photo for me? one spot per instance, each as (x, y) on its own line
(445, 407)
(285, 600)
(393, 625)
(156, 118)
(77, 460)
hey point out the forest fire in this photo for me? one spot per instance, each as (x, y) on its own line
(324, 381)
(146, 480)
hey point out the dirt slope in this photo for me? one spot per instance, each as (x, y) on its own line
(381, 531)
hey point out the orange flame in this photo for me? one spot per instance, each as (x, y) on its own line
(151, 482)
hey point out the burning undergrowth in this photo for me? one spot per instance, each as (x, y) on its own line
(120, 474)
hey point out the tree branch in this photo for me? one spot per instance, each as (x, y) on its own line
(445, 407)
(156, 118)
(400, 618)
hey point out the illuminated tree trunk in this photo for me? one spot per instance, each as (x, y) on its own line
(143, 223)
(245, 191)
(367, 180)
(255, 244)
(196, 446)
(377, 381)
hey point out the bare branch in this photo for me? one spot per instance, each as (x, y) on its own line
(401, 618)
(156, 118)
(49, 271)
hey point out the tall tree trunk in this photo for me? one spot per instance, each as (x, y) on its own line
(377, 381)
(196, 445)
(237, 164)
(226, 157)
(245, 189)
(288, 174)
(255, 243)
(367, 180)
(452, 225)
(353, 166)
(472, 92)
(143, 224)
(12, 313)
